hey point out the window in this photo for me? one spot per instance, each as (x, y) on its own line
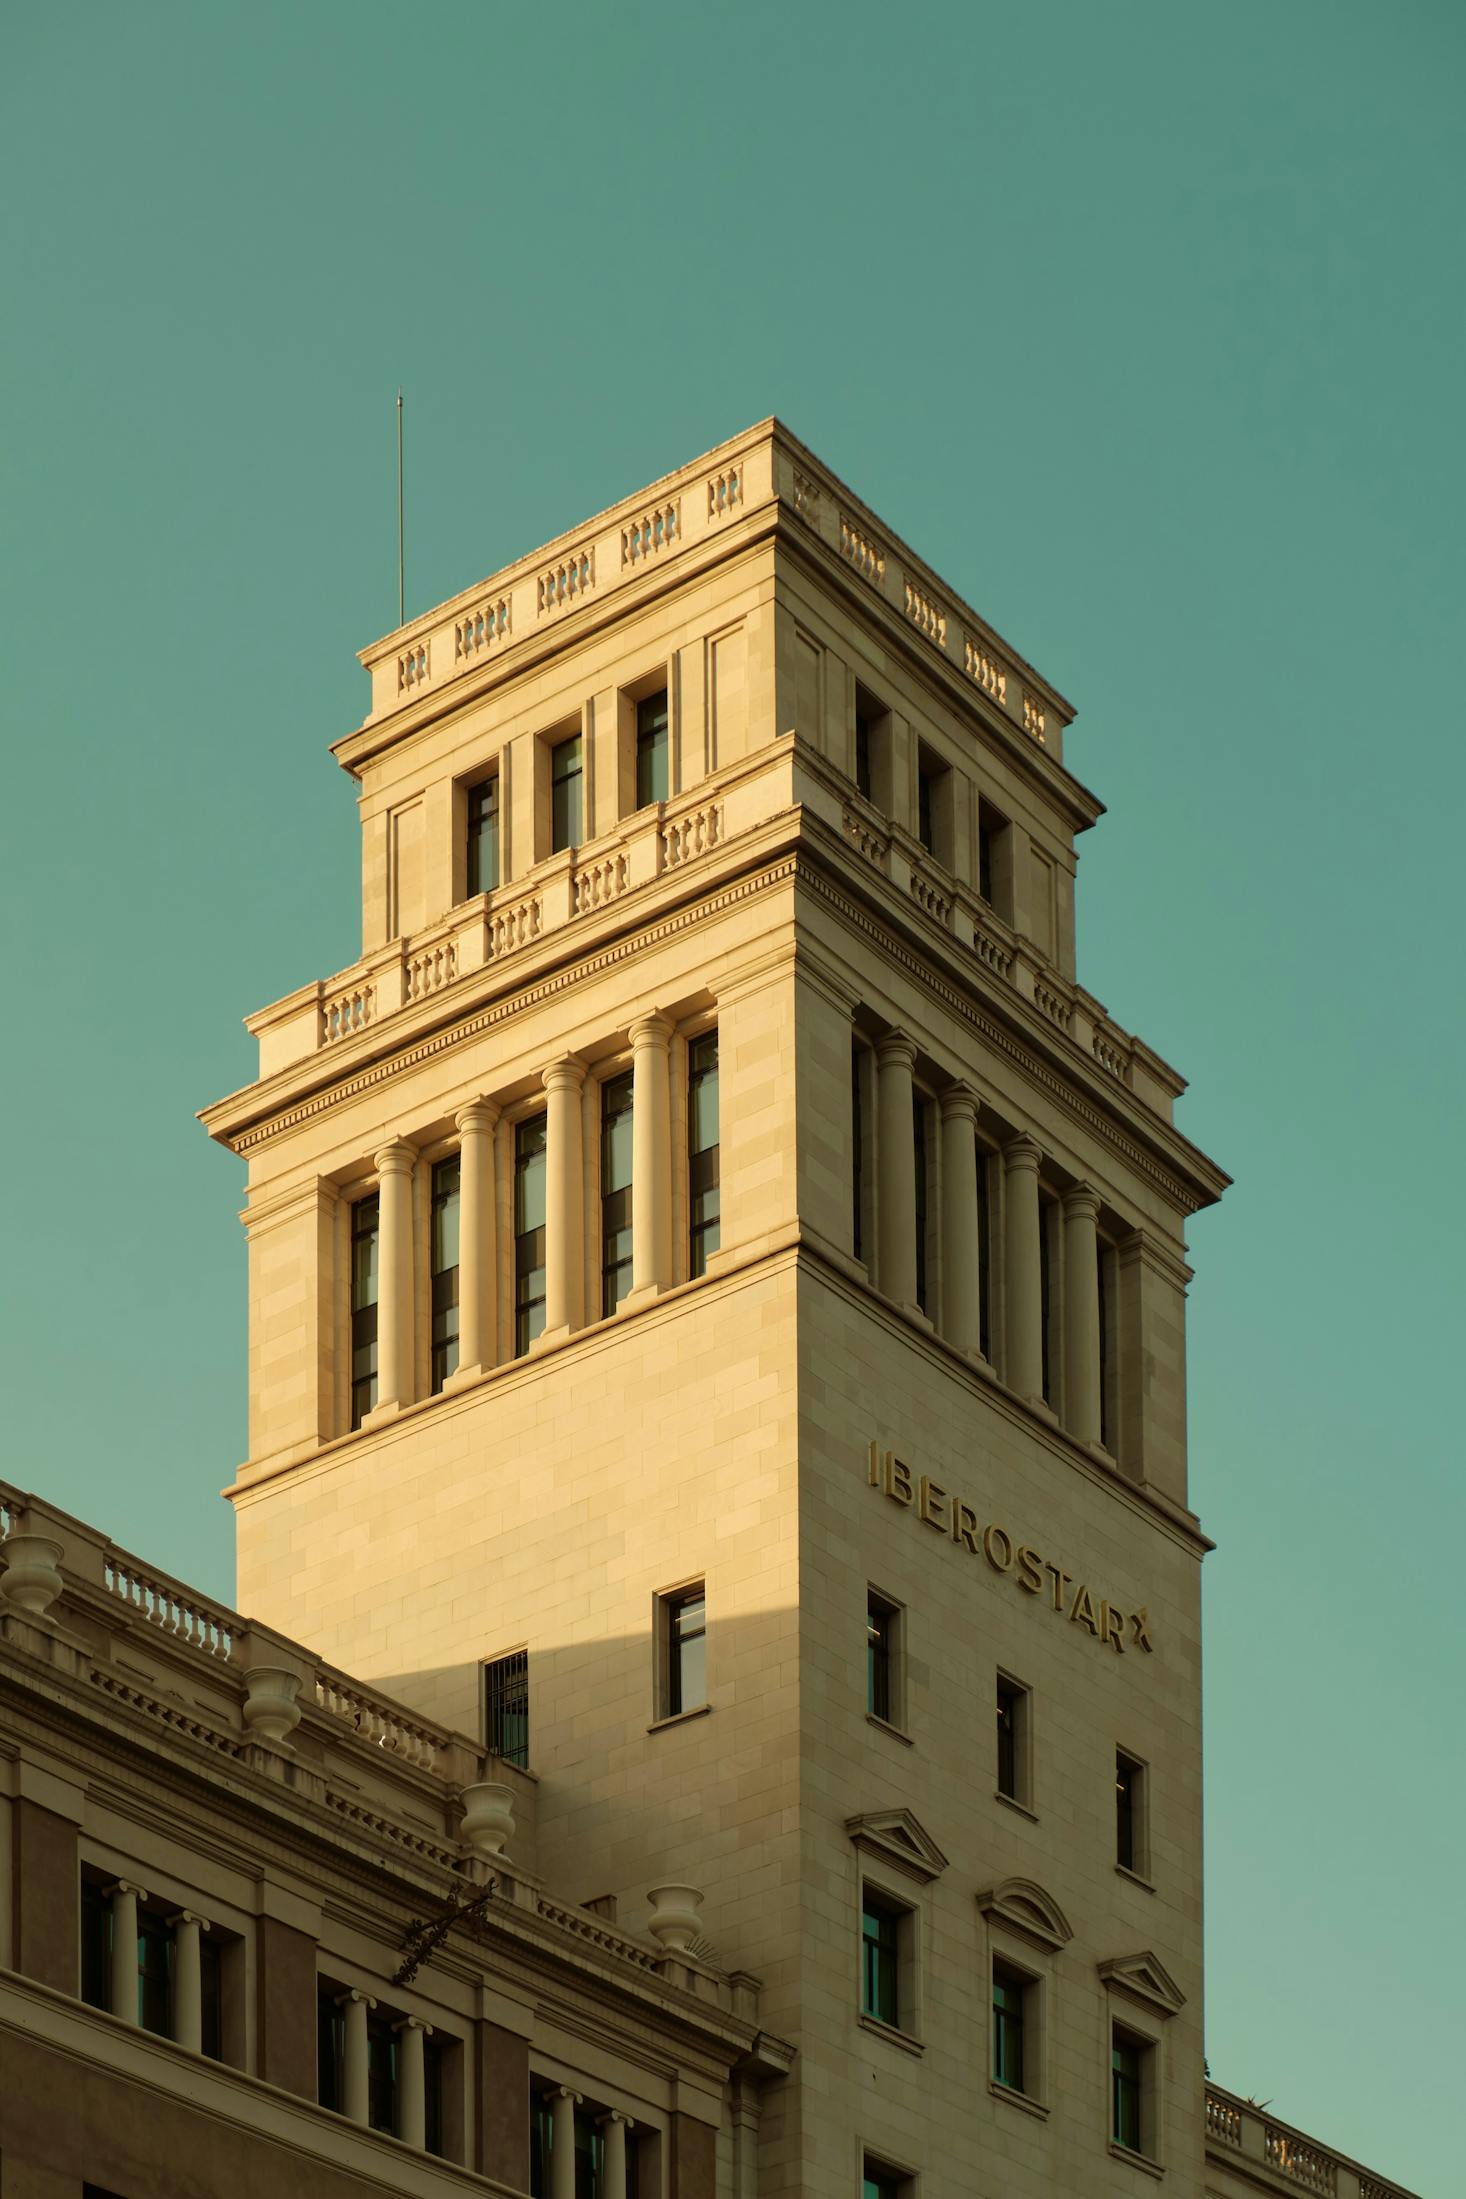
(529, 1233)
(157, 1967)
(1130, 1843)
(994, 860)
(857, 1148)
(96, 1945)
(683, 1621)
(1013, 1741)
(984, 1258)
(616, 1192)
(651, 749)
(1128, 2067)
(506, 1707)
(1107, 1301)
(566, 794)
(932, 791)
(919, 1141)
(704, 1203)
(384, 2056)
(483, 836)
(878, 2182)
(870, 728)
(381, 2070)
(443, 1269)
(589, 2177)
(330, 2050)
(364, 1232)
(881, 1924)
(925, 831)
(1011, 1990)
(1048, 1296)
(882, 1672)
(211, 1995)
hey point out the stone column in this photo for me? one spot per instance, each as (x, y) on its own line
(188, 1981)
(961, 1312)
(564, 1225)
(651, 1159)
(613, 2134)
(124, 1900)
(1023, 1308)
(563, 2103)
(355, 2087)
(395, 1163)
(896, 1168)
(477, 1207)
(1081, 1315)
(412, 2096)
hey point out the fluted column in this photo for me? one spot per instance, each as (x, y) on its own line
(395, 1164)
(613, 2129)
(412, 2093)
(1023, 1295)
(1081, 1315)
(564, 1247)
(896, 1168)
(188, 1980)
(651, 1156)
(355, 2064)
(961, 1308)
(563, 2103)
(477, 1306)
(124, 1899)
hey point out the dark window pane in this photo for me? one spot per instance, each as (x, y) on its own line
(529, 1232)
(506, 1684)
(435, 2061)
(703, 1172)
(541, 2133)
(984, 1261)
(1046, 1296)
(880, 1956)
(918, 1125)
(483, 835)
(616, 1190)
(924, 810)
(565, 794)
(651, 749)
(443, 1268)
(1106, 1369)
(1009, 1711)
(154, 1972)
(364, 1241)
(1127, 1811)
(330, 2049)
(96, 1945)
(686, 1651)
(1125, 2067)
(211, 1980)
(1009, 1993)
(857, 1154)
(879, 1627)
(381, 2073)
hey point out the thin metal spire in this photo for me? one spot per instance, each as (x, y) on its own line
(401, 557)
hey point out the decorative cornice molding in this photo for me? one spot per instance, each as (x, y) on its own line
(1146, 1978)
(899, 1838)
(1025, 1907)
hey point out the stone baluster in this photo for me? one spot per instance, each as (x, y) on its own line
(651, 1156)
(477, 1308)
(563, 1196)
(412, 2093)
(395, 1163)
(896, 1168)
(1023, 1308)
(613, 2128)
(1081, 1314)
(961, 1308)
(124, 1899)
(563, 2103)
(188, 1980)
(356, 2057)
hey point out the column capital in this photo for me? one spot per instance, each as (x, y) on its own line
(894, 1046)
(567, 2092)
(565, 1075)
(477, 1114)
(1022, 1152)
(413, 2023)
(354, 1993)
(650, 1029)
(124, 1886)
(614, 2115)
(186, 1916)
(960, 1100)
(395, 1158)
(1081, 1198)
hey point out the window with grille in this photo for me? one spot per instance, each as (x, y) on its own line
(506, 1707)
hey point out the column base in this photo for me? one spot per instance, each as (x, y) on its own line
(643, 1295)
(547, 1337)
(463, 1378)
(381, 1414)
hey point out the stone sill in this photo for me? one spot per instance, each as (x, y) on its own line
(1136, 2160)
(1014, 2098)
(891, 2035)
(884, 1725)
(1011, 1802)
(1136, 1878)
(679, 1718)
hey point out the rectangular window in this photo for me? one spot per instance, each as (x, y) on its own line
(1010, 2000)
(651, 749)
(857, 1150)
(364, 1233)
(1013, 1741)
(566, 794)
(684, 1628)
(506, 1707)
(1107, 1302)
(870, 719)
(1127, 2089)
(154, 1972)
(925, 831)
(330, 2049)
(994, 863)
(918, 1128)
(616, 1190)
(96, 1945)
(1048, 1307)
(443, 1269)
(483, 836)
(381, 2071)
(882, 1645)
(211, 1990)
(984, 1259)
(541, 2135)
(932, 804)
(1129, 1813)
(880, 2183)
(529, 1232)
(435, 2055)
(880, 1959)
(704, 1196)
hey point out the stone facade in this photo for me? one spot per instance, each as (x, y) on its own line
(710, 1257)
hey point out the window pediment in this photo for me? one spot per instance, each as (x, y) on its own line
(1024, 1907)
(899, 1838)
(1146, 1978)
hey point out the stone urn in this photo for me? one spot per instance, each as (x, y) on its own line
(674, 1918)
(488, 1816)
(270, 1710)
(31, 1580)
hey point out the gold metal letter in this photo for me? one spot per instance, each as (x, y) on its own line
(1061, 1581)
(964, 1525)
(898, 1479)
(1083, 1610)
(1112, 1626)
(992, 1535)
(930, 1503)
(874, 1470)
(1140, 1629)
(1030, 1570)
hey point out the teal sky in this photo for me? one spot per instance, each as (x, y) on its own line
(1144, 324)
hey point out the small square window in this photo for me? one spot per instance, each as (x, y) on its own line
(883, 1659)
(1014, 1739)
(682, 1626)
(1131, 2060)
(1130, 1814)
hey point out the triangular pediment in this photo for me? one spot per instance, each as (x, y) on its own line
(897, 1837)
(1024, 1907)
(1147, 1978)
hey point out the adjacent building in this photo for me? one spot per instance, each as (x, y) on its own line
(717, 1387)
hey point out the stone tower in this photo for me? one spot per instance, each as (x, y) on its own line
(717, 1314)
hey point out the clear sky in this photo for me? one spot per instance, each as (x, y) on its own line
(1144, 324)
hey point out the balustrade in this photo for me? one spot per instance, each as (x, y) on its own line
(697, 833)
(984, 670)
(926, 615)
(654, 530)
(164, 1604)
(474, 632)
(863, 554)
(377, 1720)
(724, 491)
